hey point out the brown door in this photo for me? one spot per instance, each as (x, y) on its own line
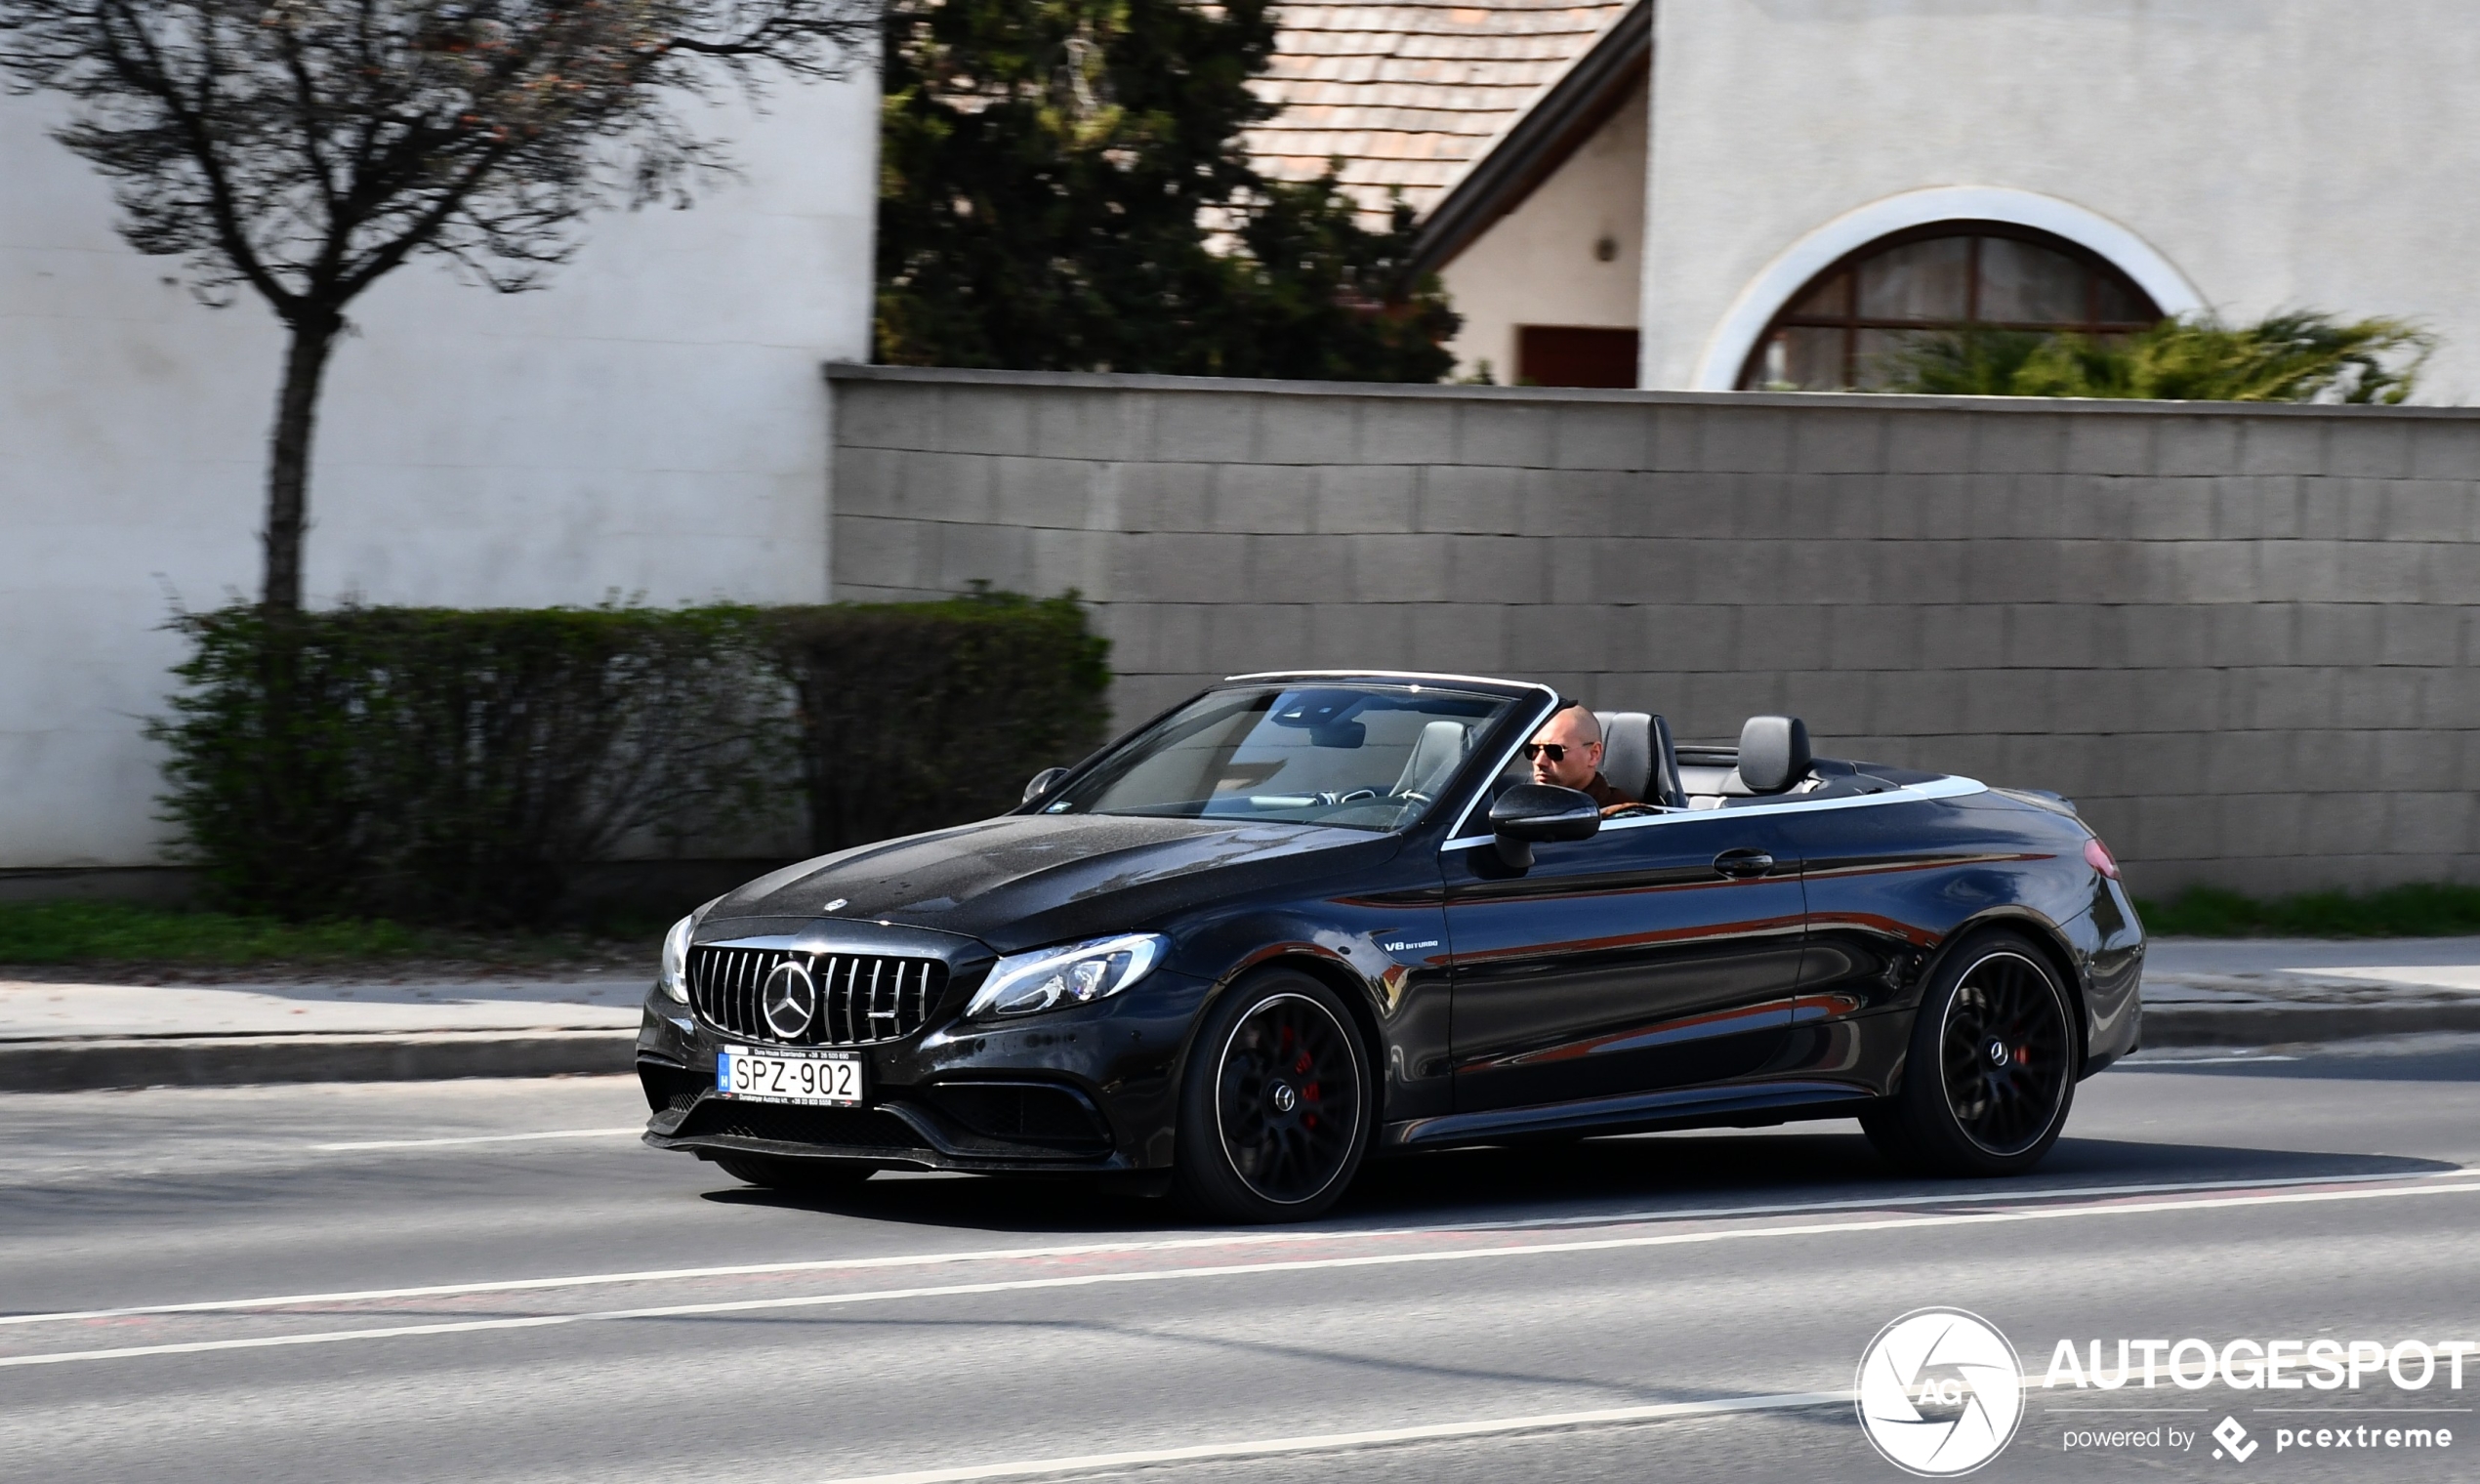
(1575, 356)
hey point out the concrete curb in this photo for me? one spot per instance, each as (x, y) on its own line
(2167, 1026)
(215, 1061)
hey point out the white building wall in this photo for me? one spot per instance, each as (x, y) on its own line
(2281, 153)
(1537, 265)
(653, 424)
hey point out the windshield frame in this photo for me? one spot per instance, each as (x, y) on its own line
(1530, 702)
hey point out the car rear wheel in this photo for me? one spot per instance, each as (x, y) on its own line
(776, 1173)
(1989, 1073)
(1275, 1106)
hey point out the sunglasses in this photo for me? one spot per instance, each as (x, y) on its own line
(1557, 752)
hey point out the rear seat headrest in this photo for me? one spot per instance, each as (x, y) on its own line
(1773, 754)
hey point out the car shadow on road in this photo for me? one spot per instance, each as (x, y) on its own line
(1619, 1178)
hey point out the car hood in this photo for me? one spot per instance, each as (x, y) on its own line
(1022, 880)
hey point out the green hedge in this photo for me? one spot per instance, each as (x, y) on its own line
(2417, 910)
(913, 715)
(452, 765)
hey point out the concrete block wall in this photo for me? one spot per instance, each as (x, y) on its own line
(2241, 637)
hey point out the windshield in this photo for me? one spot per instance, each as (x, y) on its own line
(1367, 756)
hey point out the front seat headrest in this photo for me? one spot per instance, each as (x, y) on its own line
(1434, 755)
(1773, 754)
(1626, 751)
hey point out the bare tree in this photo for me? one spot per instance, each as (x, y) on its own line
(308, 147)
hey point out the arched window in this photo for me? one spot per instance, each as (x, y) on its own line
(1837, 331)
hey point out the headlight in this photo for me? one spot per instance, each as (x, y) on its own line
(676, 954)
(1074, 973)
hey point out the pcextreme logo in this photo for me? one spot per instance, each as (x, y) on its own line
(2233, 1439)
(1940, 1393)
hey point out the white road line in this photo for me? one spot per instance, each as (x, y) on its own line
(1192, 1244)
(479, 1138)
(1239, 1270)
(1328, 1442)
(2240, 1060)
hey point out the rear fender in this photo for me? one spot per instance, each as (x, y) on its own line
(2057, 942)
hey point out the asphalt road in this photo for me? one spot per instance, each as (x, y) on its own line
(1701, 1300)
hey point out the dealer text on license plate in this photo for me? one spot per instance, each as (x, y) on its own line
(801, 1077)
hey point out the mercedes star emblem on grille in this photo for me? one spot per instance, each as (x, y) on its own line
(790, 999)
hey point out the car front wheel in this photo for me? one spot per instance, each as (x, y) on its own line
(1276, 1104)
(1989, 1073)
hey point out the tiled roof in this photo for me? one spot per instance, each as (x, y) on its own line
(1407, 93)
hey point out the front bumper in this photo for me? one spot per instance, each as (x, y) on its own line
(1087, 1088)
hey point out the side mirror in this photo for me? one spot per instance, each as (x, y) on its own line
(1535, 813)
(1044, 783)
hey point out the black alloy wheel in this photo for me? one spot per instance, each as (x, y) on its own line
(793, 1175)
(2004, 1054)
(1275, 1106)
(1989, 1073)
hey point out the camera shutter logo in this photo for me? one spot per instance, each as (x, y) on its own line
(1940, 1393)
(789, 1000)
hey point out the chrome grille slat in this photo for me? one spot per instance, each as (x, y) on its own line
(844, 1023)
(829, 1015)
(822, 972)
(832, 996)
(863, 999)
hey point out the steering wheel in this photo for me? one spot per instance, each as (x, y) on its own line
(1632, 811)
(1349, 795)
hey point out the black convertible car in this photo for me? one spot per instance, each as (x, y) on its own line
(1312, 918)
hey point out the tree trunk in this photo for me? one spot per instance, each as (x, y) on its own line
(314, 332)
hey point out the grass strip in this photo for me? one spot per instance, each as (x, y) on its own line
(2416, 911)
(124, 932)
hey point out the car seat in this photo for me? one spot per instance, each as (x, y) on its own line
(1638, 760)
(1773, 758)
(1435, 753)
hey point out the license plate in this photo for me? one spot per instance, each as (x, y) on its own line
(821, 1077)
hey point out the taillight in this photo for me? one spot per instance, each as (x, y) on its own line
(2097, 856)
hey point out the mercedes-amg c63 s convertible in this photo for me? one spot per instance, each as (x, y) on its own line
(1310, 919)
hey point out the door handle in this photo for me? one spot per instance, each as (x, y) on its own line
(1744, 864)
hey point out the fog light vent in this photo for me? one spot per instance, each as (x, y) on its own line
(1036, 1113)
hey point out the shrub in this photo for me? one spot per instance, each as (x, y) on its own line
(916, 716)
(443, 765)
(448, 765)
(2295, 357)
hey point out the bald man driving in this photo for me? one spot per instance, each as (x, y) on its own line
(1567, 752)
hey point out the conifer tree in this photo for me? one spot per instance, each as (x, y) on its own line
(1064, 188)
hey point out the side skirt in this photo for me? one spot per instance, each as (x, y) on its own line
(1687, 1108)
